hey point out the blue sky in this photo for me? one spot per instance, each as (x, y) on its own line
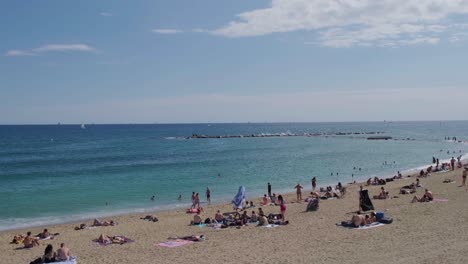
(232, 61)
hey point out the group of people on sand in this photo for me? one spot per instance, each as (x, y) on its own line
(241, 219)
(30, 241)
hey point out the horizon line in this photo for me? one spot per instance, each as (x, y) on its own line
(246, 122)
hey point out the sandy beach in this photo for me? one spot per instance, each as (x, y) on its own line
(433, 232)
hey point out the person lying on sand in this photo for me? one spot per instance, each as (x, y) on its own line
(104, 239)
(358, 220)
(45, 234)
(190, 238)
(96, 222)
(17, 239)
(30, 241)
(150, 218)
(407, 189)
(80, 227)
(427, 197)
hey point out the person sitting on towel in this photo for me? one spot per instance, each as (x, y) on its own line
(427, 197)
(219, 217)
(63, 253)
(30, 241)
(383, 194)
(253, 217)
(196, 219)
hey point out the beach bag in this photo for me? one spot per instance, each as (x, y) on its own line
(386, 220)
(365, 202)
(208, 221)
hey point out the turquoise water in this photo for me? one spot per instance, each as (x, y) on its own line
(58, 173)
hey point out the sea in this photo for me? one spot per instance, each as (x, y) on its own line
(52, 174)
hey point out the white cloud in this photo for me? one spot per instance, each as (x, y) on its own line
(345, 23)
(106, 14)
(13, 53)
(64, 47)
(51, 48)
(166, 31)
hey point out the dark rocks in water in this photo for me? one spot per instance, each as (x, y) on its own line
(379, 138)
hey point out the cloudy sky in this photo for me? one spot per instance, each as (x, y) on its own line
(147, 61)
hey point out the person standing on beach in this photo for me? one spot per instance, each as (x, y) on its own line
(314, 183)
(282, 206)
(452, 162)
(197, 200)
(465, 172)
(269, 190)
(208, 195)
(193, 199)
(298, 188)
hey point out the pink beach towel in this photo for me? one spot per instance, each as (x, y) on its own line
(175, 243)
(440, 200)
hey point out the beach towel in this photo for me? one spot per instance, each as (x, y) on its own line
(365, 202)
(125, 241)
(72, 260)
(348, 224)
(240, 196)
(175, 243)
(271, 226)
(313, 205)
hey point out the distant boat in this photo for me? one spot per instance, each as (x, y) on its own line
(83, 126)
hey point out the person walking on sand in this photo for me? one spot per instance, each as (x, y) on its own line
(269, 190)
(314, 183)
(298, 188)
(208, 195)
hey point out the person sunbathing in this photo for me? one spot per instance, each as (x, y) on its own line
(150, 218)
(45, 234)
(104, 239)
(219, 217)
(17, 239)
(358, 220)
(427, 197)
(81, 227)
(190, 238)
(30, 241)
(407, 189)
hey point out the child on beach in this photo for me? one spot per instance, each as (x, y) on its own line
(282, 206)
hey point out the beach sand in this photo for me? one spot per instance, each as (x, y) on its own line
(434, 232)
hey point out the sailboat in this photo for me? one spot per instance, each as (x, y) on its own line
(83, 126)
